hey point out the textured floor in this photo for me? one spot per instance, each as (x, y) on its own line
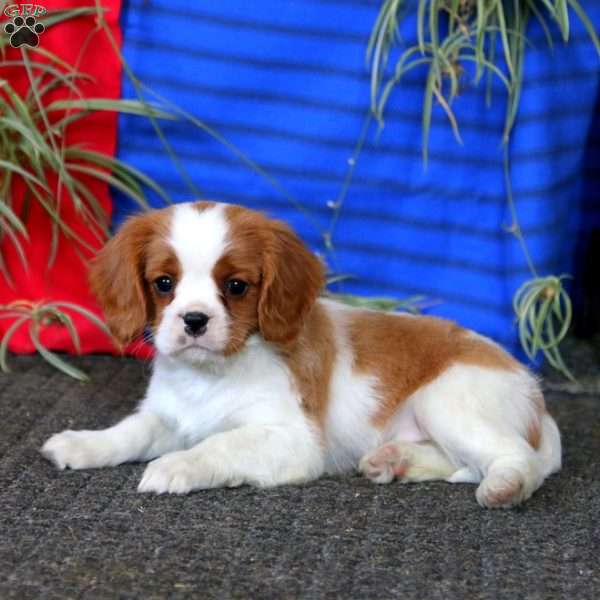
(90, 535)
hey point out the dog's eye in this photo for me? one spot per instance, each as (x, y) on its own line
(164, 284)
(236, 287)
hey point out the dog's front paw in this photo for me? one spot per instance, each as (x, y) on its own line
(75, 449)
(178, 473)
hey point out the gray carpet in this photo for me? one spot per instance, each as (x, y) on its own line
(90, 535)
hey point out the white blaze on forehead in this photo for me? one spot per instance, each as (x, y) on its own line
(199, 237)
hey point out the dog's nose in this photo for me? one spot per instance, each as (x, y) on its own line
(195, 323)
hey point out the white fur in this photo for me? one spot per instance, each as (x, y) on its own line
(241, 423)
(477, 419)
(349, 433)
(212, 421)
(199, 240)
(221, 426)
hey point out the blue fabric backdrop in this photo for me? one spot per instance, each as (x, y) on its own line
(287, 84)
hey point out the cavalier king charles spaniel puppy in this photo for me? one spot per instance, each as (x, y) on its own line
(258, 381)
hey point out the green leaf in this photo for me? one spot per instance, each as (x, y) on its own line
(65, 79)
(58, 16)
(427, 109)
(531, 4)
(411, 304)
(31, 134)
(110, 180)
(379, 61)
(17, 244)
(23, 173)
(480, 38)
(504, 38)
(64, 319)
(54, 359)
(126, 171)
(537, 321)
(562, 17)
(421, 8)
(85, 312)
(587, 23)
(6, 340)
(7, 212)
(131, 107)
(338, 278)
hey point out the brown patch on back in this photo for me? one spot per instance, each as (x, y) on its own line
(311, 359)
(406, 352)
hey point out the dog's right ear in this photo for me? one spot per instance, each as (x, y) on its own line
(117, 277)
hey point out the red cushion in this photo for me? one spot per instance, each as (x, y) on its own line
(66, 279)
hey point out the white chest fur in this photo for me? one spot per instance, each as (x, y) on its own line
(254, 387)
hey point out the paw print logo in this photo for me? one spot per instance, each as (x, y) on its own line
(24, 31)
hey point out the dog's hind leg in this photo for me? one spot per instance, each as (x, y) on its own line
(406, 462)
(492, 424)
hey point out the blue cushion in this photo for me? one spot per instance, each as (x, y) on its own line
(288, 85)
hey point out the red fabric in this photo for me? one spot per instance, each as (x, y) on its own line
(66, 280)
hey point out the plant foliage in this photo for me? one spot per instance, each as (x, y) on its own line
(34, 144)
(34, 147)
(453, 33)
(38, 315)
(492, 36)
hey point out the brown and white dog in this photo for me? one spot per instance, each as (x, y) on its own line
(256, 381)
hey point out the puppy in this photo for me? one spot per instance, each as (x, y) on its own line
(257, 381)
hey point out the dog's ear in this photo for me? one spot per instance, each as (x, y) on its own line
(117, 278)
(292, 277)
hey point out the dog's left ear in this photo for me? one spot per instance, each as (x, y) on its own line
(292, 278)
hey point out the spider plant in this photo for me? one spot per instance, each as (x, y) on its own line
(33, 140)
(33, 146)
(491, 35)
(35, 149)
(544, 312)
(36, 316)
(413, 305)
(452, 33)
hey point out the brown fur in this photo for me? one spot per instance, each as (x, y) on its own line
(160, 260)
(284, 276)
(118, 274)
(405, 353)
(292, 279)
(534, 430)
(242, 260)
(534, 434)
(310, 358)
